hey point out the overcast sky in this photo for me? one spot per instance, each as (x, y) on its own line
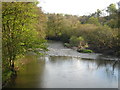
(74, 7)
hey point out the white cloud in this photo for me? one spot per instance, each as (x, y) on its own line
(75, 7)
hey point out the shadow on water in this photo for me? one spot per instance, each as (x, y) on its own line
(29, 75)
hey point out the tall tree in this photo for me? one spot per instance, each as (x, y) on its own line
(19, 20)
(93, 20)
(98, 13)
(111, 9)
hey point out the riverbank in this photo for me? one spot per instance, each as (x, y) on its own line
(57, 48)
(83, 47)
(91, 50)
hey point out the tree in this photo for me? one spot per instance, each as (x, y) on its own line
(111, 9)
(60, 27)
(19, 21)
(98, 13)
(93, 20)
(54, 25)
(113, 23)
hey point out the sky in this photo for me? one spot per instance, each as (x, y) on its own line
(74, 7)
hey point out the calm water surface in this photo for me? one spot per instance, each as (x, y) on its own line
(64, 68)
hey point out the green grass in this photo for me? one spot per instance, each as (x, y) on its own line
(85, 50)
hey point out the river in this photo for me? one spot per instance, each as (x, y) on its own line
(66, 68)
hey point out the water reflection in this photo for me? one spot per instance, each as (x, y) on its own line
(66, 72)
(30, 75)
(75, 72)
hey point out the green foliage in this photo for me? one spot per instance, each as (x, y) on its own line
(111, 9)
(98, 13)
(102, 38)
(22, 30)
(96, 31)
(61, 27)
(74, 41)
(80, 39)
(6, 76)
(85, 50)
(93, 20)
(78, 42)
(67, 45)
(112, 19)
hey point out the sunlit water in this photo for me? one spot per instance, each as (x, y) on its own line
(66, 68)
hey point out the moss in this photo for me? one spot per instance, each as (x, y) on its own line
(85, 50)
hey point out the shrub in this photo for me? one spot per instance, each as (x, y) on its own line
(85, 50)
(67, 45)
(74, 41)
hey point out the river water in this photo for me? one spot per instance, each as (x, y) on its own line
(65, 68)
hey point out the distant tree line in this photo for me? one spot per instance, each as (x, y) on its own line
(99, 32)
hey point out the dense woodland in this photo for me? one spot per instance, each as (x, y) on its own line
(26, 28)
(96, 32)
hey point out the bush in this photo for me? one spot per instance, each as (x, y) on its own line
(77, 41)
(67, 45)
(85, 50)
